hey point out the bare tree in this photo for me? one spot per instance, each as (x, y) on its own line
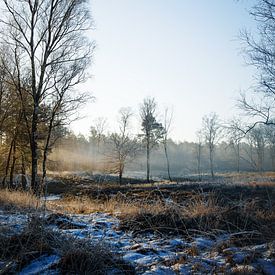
(168, 116)
(124, 148)
(61, 109)
(50, 49)
(260, 53)
(235, 135)
(98, 130)
(270, 140)
(198, 151)
(211, 130)
(152, 130)
(256, 140)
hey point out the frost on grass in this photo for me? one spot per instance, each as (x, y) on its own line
(98, 244)
(41, 264)
(209, 239)
(43, 246)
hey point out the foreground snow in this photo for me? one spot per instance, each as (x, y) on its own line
(153, 254)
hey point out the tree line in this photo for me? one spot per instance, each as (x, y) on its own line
(220, 147)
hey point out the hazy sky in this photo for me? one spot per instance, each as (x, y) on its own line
(184, 53)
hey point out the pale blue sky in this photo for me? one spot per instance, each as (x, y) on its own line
(184, 53)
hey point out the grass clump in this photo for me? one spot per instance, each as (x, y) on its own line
(76, 256)
(87, 258)
(204, 214)
(31, 243)
(14, 201)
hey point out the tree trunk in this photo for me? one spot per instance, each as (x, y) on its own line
(120, 176)
(272, 155)
(238, 157)
(34, 151)
(46, 150)
(167, 161)
(23, 173)
(148, 161)
(211, 162)
(44, 169)
(11, 185)
(199, 160)
(7, 165)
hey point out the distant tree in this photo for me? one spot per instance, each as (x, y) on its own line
(235, 135)
(123, 148)
(256, 140)
(270, 141)
(198, 151)
(98, 130)
(152, 129)
(211, 130)
(168, 116)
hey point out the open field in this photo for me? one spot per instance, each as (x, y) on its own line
(206, 226)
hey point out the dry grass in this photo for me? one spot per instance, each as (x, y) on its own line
(251, 179)
(201, 212)
(18, 201)
(86, 258)
(77, 256)
(196, 213)
(85, 205)
(204, 214)
(32, 242)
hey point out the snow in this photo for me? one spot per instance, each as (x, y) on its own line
(203, 243)
(15, 223)
(149, 253)
(240, 257)
(160, 270)
(178, 243)
(40, 265)
(268, 266)
(132, 257)
(185, 270)
(51, 198)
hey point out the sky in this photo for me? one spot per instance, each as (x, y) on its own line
(186, 54)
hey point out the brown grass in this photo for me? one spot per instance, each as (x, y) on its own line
(86, 258)
(77, 256)
(206, 214)
(18, 201)
(199, 212)
(32, 242)
(85, 205)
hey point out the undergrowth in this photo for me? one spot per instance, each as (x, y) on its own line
(76, 256)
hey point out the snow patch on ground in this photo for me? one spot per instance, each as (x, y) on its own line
(150, 253)
(40, 265)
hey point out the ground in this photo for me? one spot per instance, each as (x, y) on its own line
(226, 226)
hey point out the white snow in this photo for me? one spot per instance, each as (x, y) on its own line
(51, 198)
(42, 264)
(149, 253)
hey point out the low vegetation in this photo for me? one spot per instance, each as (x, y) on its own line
(243, 210)
(18, 201)
(246, 206)
(76, 256)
